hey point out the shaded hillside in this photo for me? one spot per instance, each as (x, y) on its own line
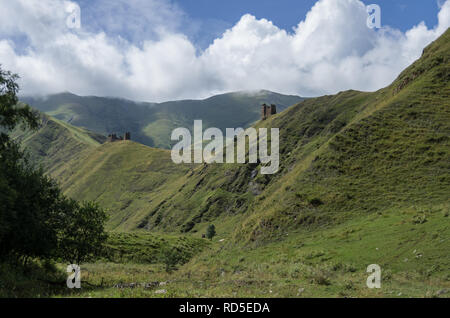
(126, 178)
(55, 142)
(151, 123)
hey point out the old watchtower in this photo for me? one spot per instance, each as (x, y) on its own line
(114, 137)
(267, 111)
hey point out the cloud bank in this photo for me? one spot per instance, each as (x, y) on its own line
(138, 50)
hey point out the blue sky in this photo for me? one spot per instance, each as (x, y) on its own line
(159, 50)
(218, 15)
(401, 14)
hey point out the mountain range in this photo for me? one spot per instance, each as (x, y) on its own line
(151, 123)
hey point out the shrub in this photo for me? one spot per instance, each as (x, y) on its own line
(419, 219)
(320, 276)
(170, 257)
(315, 202)
(82, 232)
(211, 231)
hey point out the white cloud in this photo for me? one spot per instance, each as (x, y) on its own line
(150, 59)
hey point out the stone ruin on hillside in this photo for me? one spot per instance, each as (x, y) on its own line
(114, 137)
(267, 111)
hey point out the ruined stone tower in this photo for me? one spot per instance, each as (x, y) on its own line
(273, 109)
(114, 137)
(264, 111)
(267, 111)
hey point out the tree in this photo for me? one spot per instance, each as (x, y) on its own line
(19, 183)
(211, 231)
(36, 219)
(31, 212)
(82, 232)
(12, 112)
(170, 256)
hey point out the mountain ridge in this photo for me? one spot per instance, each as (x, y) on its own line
(151, 123)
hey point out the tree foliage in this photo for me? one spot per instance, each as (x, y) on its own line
(36, 219)
(211, 231)
(82, 232)
(12, 112)
(170, 257)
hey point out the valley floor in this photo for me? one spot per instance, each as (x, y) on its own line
(411, 247)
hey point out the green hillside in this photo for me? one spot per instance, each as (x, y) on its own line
(127, 178)
(151, 123)
(55, 142)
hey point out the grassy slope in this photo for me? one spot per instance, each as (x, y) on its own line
(55, 142)
(152, 124)
(127, 178)
(127, 257)
(309, 262)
